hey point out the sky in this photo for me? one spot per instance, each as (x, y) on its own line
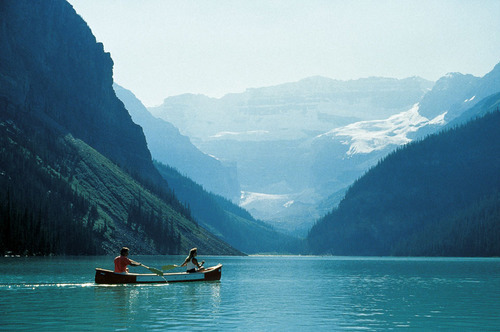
(163, 48)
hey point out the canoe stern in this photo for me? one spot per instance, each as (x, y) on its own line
(215, 274)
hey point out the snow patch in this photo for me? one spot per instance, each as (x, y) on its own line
(212, 156)
(250, 197)
(241, 133)
(369, 136)
(470, 99)
(439, 120)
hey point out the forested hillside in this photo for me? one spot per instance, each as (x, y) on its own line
(76, 176)
(439, 197)
(30, 222)
(60, 196)
(228, 221)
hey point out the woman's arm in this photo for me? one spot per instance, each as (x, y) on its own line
(195, 262)
(185, 262)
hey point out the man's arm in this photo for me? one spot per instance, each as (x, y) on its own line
(134, 263)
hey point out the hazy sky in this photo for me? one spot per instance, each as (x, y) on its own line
(163, 48)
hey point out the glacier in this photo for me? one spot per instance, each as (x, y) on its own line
(365, 137)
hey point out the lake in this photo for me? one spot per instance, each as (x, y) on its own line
(256, 293)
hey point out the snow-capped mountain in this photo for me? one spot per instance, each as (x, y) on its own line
(298, 146)
(292, 110)
(344, 154)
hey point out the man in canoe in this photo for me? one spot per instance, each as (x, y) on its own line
(122, 261)
(191, 263)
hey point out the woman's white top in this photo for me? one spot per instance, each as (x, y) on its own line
(190, 265)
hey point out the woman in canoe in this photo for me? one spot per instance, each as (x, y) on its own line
(191, 263)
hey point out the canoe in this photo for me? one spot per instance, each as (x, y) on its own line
(103, 276)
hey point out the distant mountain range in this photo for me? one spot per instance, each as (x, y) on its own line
(345, 153)
(270, 134)
(298, 146)
(169, 147)
(290, 111)
(174, 151)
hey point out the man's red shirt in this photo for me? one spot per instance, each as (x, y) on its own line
(121, 263)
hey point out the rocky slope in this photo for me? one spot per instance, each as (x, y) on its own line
(63, 125)
(171, 148)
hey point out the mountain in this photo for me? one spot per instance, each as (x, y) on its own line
(58, 195)
(228, 221)
(455, 94)
(438, 196)
(298, 145)
(219, 215)
(62, 59)
(76, 175)
(171, 148)
(268, 133)
(449, 91)
(291, 110)
(343, 154)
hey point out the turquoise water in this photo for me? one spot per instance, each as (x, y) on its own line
(256, 294)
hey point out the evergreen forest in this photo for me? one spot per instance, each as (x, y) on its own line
(228, 221)
(99, 207)
(434, 197)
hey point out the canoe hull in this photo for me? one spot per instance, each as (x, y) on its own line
(103, 276)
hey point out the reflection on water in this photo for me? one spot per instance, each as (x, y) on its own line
(119, 301)
(158, 306)
(257, 294)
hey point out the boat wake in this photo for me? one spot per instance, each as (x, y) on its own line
(38, 285)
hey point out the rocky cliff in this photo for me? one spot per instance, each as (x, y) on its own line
(52, 67)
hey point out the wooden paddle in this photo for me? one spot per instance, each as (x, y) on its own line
(169, 267)
(154, 270)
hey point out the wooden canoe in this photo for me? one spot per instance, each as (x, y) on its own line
(103, 276)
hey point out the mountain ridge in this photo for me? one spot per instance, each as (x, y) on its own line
(91, 177)
(169, 147)
(313, 107)
(215, 213)
(413, 201)
(33, 66)
(267, 132)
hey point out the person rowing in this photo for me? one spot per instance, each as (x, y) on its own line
(191, 263)
(122, 261)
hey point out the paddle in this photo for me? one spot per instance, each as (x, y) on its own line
(173, 266)
(154, 270)
(169, 267)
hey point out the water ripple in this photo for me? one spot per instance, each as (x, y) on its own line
(262, 294)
